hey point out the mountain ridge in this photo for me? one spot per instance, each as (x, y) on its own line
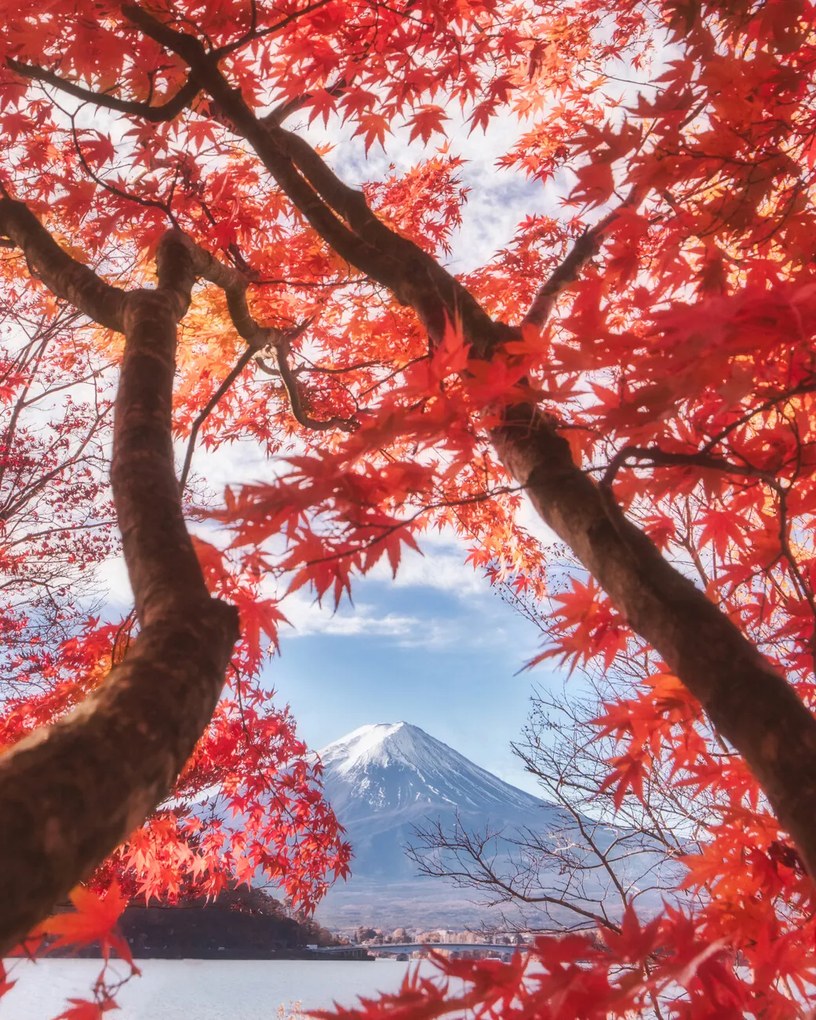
(399, 765)
(385, 779)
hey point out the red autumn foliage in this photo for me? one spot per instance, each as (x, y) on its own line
(641, 362)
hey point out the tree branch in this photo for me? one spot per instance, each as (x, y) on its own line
(655, 457)
(168, 110)
(61, 273)
(284, 110)
(586, 247)
(295, 401)
(748, 702)
(234, 285)
(339, 214)
(205, 412)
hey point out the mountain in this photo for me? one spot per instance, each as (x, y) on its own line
(385, 779)
(396, 768)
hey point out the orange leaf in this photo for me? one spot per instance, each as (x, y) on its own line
(94, 920)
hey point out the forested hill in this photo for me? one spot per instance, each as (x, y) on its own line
(241, 924)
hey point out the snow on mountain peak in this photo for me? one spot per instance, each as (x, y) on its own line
(375, 744)
(384, 766)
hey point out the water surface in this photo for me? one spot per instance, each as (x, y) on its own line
(201, 989)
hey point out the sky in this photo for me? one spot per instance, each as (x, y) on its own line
(436, 647)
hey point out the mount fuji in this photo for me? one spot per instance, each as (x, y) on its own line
(385, 779)
(398, 768)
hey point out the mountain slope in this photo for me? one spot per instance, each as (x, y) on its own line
(396, 767)
(386, 779)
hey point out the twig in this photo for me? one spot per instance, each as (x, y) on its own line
(207, 410)
(586, 246)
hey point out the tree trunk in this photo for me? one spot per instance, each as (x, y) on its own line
(72, 792)
(748, 702)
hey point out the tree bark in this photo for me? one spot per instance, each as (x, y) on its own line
(70, 793)
(748, 702)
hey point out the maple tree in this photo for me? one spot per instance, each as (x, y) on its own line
(640, 367)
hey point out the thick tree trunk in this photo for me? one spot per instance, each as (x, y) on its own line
(748, 702)
(71, 793)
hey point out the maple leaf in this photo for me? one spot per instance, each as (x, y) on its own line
(632, 942)
(259, 616)
(211, 560)
(595, 183)
(100, 148)
(450, 356)
(85, 1009)
(322, 104)
(426, 122)
(94, 919)
(373, 127)
(627, 772)
(5, 984)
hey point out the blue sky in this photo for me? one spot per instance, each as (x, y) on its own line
(437, 648)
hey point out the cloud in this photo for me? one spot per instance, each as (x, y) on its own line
(498, 198)
(112, 575)
(363, 620)
(442, 567)
(428, 622)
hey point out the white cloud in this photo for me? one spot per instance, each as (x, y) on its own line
(442, 567)
(308, 618)
(465, 630)
(113, 576)
(427, 630)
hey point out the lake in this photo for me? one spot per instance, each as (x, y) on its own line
(201, 989)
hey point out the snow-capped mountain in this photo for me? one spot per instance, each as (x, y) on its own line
(386, 779)
(387, 768)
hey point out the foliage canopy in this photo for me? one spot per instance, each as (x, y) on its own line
(639, 363)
